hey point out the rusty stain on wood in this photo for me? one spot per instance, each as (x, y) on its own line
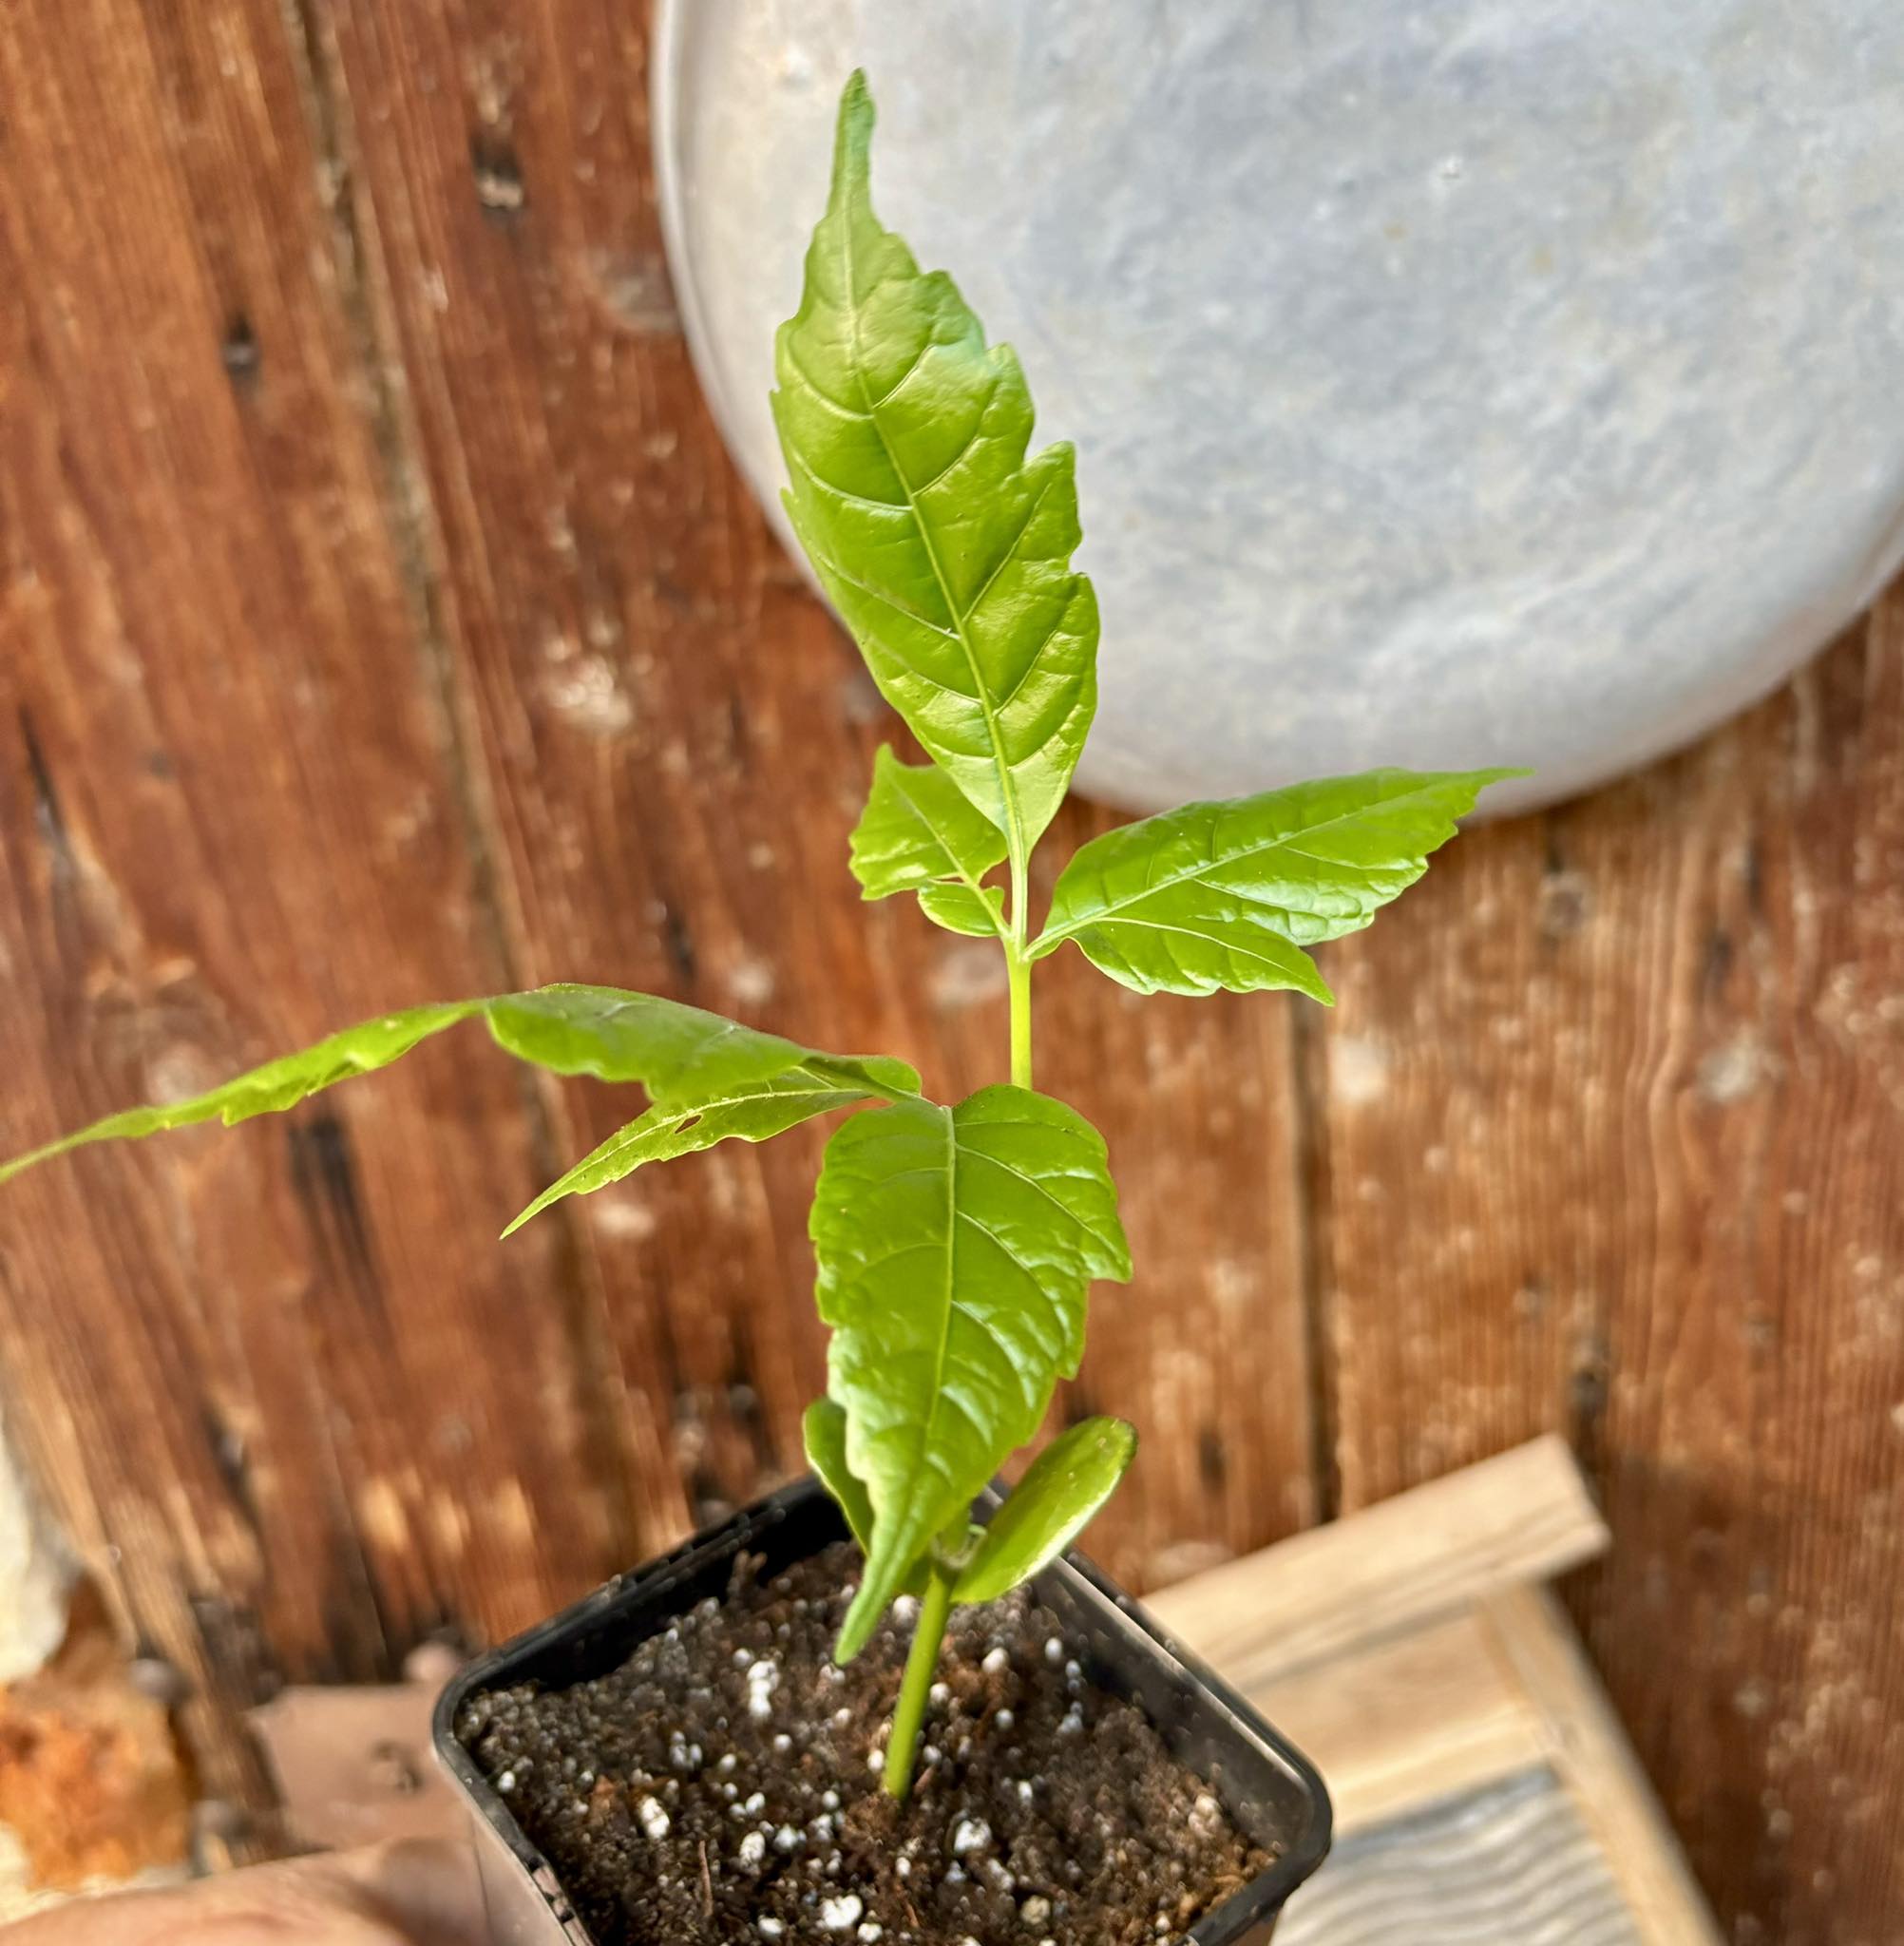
(380, 619)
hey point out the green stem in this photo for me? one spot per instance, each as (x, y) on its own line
(1018, 976)
(921, 1663)
(1018, 971)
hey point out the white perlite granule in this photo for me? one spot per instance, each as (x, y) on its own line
(841, 1915)
(653, 1819)
(973, 1834)
(763, 1678)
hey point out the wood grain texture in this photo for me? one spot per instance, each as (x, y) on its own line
(379, 618)
(1612, 1145)
(1523, 1516)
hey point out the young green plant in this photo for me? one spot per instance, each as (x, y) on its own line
(956, 1243)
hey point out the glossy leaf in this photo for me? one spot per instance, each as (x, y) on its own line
(278, 1084)
(824, 1429)
(694, 1064)
(978, 912)
(1049, 1508)
(920, 833)
(956, 1250)
(1226, 895)
(680, 1054)
(750, 1111)
(945, 549)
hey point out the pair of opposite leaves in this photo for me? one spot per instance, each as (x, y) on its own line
(956, 1244)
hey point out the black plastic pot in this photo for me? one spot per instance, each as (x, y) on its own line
(1270, 1788)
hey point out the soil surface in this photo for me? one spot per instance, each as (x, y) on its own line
(722, 1786)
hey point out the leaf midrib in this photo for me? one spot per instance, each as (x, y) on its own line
(1007, 789)
(1054, 935)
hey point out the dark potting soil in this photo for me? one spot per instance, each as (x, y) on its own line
(722, 1786)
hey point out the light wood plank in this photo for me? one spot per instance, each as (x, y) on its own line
(1536, 1643)
(1406, 1723)
(1522, 1515)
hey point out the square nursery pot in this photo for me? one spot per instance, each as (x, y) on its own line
(1270, 1789)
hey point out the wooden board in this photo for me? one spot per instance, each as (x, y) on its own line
(1611, 1137)
(379, 618)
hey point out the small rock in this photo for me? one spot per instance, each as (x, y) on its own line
(770, 1928)
(995, 1662)
(973, 1834)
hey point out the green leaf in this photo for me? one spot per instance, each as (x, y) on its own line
(1049, 1508)
(1227, 894)
(920, 833)
(825, 1431)
(956, 1250)
(694, 1064)
(947, 551)
(752, 1111)
(980, 913)
(278, 1084)
(680, 1054)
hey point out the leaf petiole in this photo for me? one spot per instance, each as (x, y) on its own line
(921, 1664)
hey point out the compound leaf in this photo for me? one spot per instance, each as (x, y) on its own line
(709, 1077)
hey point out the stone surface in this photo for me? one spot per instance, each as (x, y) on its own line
(1480, 383)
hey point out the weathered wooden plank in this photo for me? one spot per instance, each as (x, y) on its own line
(285, 1391)
(1534, 1640)
(1611, 1145)
(673, 741)
(1522, 1515)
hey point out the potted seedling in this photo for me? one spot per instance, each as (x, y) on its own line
(884, 1705)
